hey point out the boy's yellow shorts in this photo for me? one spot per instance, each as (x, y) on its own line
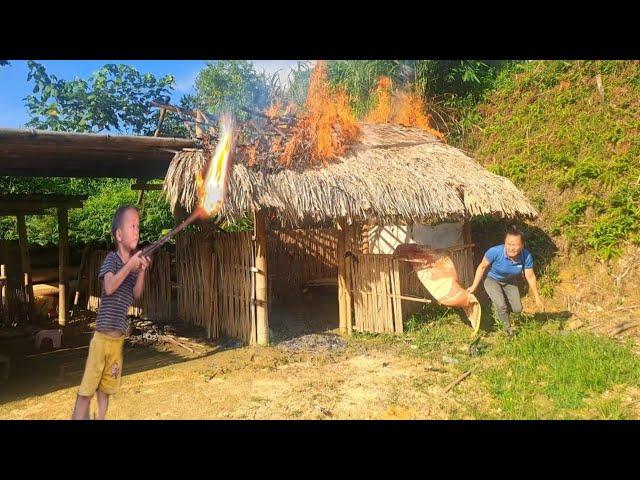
(104, 365)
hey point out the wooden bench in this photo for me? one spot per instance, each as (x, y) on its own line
(320, 282)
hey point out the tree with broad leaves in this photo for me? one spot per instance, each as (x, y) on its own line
(229, 85)
(116, 97)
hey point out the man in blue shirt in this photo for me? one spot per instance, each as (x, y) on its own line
(507, 264)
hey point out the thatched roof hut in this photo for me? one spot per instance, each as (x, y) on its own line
(312, 227)
(395, 174)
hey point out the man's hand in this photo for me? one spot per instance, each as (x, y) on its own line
(472, 289)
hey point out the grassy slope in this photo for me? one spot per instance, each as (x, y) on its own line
(546, 372)
(575, 153)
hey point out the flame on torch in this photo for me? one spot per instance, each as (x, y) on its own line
(212, 188)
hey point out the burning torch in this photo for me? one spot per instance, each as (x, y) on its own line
(212, 188)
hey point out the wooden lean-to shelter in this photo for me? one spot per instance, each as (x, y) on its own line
(315, 224)
(38, 153)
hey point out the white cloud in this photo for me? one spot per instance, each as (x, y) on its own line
(283, 67)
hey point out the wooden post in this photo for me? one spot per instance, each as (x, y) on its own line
(3, 291)
(199, 122)
(470, 257)
(163, 112)
(63, 255)
(466, 229)
(141, 181)
(83, 264)
(262, 310)
(342, 281)
(349, 247)
(26, 265)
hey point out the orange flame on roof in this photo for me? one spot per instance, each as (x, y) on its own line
(273, 110)
(402, 108)
(212, 188)
(326, 127)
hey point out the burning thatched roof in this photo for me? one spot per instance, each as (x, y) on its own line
(393, 175)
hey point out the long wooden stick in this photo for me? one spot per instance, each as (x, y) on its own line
(158, 243)
(624, 328)
(166, 338)
(458, 380)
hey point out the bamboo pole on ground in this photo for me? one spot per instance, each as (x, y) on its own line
(26, 265)
(262, 314)
(63, 255)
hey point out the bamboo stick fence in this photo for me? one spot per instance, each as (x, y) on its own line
(215, 283)
(385, 291)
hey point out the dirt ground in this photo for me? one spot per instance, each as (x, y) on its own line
(307, 373)
(295, 378)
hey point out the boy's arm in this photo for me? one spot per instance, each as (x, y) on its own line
(139, 286)
(112, 281)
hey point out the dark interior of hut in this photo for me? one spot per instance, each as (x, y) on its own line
(303, 289)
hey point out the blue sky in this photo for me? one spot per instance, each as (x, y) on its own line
(14, 86)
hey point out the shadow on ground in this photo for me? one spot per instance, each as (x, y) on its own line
(35, 373)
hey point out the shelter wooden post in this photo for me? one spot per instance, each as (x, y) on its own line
(262, 310)
(3, 291)
(199, 121)
(342, 277)
(26, 264)
(63, 255)
(470, 263)
(466, 229)
(83, 265)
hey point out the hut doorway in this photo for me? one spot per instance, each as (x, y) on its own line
(303, 286)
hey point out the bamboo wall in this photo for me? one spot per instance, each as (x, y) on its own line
(155, 302)
(193, 276)
(216, 284)
(377, 281)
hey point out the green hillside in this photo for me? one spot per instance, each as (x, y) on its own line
(568, 134)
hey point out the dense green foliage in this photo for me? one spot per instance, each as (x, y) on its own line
(573, 149)
(231, 84)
